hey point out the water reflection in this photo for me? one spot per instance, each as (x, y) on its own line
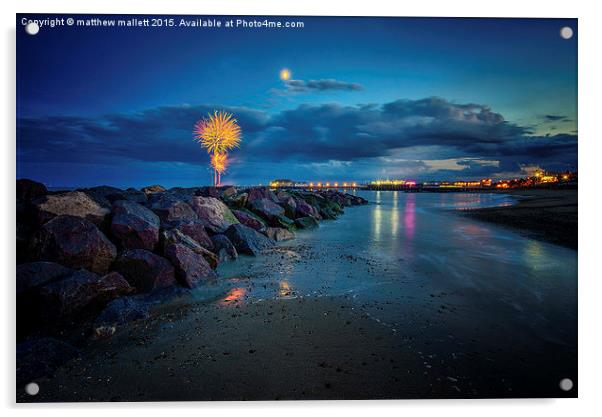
(394, 215)
(233, 297)
(409, 216)
(377, 217)
(285, 290)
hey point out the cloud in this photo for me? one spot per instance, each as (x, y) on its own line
(555, 118)
(363, 140)
(302, 86)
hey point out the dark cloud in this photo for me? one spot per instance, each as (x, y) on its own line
(555, 118)
(308, 134)
(302, 86)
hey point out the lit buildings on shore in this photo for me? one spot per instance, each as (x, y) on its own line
(538, 179)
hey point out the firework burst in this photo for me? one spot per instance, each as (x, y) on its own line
(218, 134)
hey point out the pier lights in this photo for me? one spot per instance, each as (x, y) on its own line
(311, 184)
(354, 185)
(345, 184)
(336, 184)
(328, 184)
(319, 184)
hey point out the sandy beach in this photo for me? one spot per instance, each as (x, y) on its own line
(548, 214)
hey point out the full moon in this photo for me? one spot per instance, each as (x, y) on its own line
(285, 74)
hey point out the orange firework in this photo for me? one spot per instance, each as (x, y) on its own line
(218, 134)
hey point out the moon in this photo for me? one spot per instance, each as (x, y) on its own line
(285, 74)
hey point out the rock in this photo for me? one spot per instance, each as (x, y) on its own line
(237, 201)
(259, 193)
(73, 242)
(41, 357)
(191, 268)
(278, 234)
(28, 190)
(35, 274)
(224, 249)
(247, 240)
(213, 212)
(290, 207)
(283, 196)
(303, 209)
(266, 209)
(103, 332)
(308, 222)
(229, 192)
(196, 230)
(104, 194)
(182, 194)
(135, 195)
(121, 311)
(82, 292)
(284, 222)
(152, 189)
(134, 226)
(170, 209)
(176, 236)
(208, 192)
(144, 270)
(74, 203)
(249, 219)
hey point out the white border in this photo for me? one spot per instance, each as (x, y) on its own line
(590, 289)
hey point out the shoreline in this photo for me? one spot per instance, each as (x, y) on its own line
(545, 214)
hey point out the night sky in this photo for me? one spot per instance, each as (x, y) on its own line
(368, 98)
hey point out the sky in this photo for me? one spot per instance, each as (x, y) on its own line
(368, 98)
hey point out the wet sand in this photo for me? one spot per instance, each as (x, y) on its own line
(306, 348)
(548, 214)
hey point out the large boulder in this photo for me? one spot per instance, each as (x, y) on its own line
(290, 207)
(152, 189)
(191, 268)
(236, 201)
(144, 270)
(213, 212)
(104, 195)
(41, 357)
(176, 236)
(267, 209)
(249, 219)
(278, 234)
(304, 209)
(121, 311)
(81, 293)
(247, 240)
(74, 242)
(229, 192)
(74, 203)
(135, 226)
(308, 222)
(135, 195)
(196, 230)
(208, 192)
(224, 249)
(36, 274)
(259, 193)
(28, 190)
(170, 208)
(182, 194)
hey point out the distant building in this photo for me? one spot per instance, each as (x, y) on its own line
(282, 183)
